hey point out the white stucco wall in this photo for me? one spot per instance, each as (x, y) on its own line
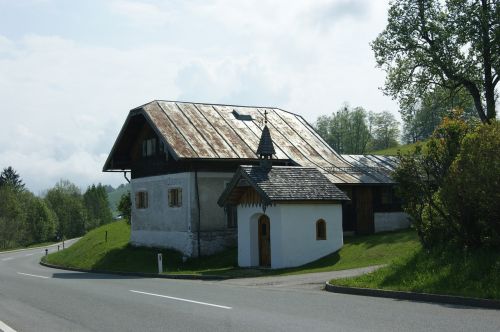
(293, 233)
(177, 227)
(160, 225)
(390, 221)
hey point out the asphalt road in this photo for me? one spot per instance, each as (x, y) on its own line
(36, 298)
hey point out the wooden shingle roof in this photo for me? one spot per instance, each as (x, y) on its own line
(282, 183)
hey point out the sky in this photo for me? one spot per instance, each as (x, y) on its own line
(71, 70)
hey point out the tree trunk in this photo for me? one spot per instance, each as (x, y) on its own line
(489, 88)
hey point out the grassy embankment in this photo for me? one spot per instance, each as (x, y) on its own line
(93, 253)
(473, 273)
(394, 151)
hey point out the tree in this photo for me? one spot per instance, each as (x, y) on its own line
(346, 130)
(471, 190)
(12, 217)
(453, 45)
(97, 205)
(451, 188)
(125, 206)
(41, 221)
(65, 199)
(10, 177)
(384, 130)
(422, 116)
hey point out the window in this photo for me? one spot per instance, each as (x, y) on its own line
(386, 196)
(175, 197)
(232, 216)
(149, 147)
(320, 230)
(141, 200)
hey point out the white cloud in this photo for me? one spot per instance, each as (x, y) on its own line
(65, 99)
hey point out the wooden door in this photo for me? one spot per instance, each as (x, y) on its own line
(364, 210)
(264, 241)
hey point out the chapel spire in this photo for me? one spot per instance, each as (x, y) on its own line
(265, 150)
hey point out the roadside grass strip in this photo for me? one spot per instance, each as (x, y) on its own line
(181, 299)
(95, 252)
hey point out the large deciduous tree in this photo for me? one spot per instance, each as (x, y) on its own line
(346, 130)
(65, 199)
(384, 130)
(452, 44)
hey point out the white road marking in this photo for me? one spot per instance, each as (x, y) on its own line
(6, 328)
(33, 275)
(29, 254)
(180, 299)
(7, 259)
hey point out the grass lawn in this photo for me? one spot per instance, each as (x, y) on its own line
(93, 253)
(394, 151)
(474, 273)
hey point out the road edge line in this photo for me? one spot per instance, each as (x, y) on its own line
(183, 300)
(6, 328)
(420, 297)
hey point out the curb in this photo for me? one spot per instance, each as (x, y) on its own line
(139, 274)
(421, 297)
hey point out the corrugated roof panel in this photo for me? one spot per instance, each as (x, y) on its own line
(227, 132)
(390, 161)
(196, 140)
(368, 166)
(205, 128)
(257, 131)
(309, 156)
(174, 138)
(240, 128)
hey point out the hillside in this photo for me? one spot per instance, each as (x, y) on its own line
(114, 197)
(394, 151)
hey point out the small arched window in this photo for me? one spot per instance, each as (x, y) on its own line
(320, 230)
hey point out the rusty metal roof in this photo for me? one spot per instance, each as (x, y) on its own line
(214, 131)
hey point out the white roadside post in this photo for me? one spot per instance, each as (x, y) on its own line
(160, 263)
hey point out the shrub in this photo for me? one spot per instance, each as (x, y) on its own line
(471, 190)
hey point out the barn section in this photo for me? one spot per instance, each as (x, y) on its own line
(186, 153)
(373, 208)
(288, 216)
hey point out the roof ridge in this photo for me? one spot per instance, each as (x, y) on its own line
(214, 104)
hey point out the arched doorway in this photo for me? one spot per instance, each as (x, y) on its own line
(264, 241)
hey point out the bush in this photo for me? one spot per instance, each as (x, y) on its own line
(452, 188)
(471, 190)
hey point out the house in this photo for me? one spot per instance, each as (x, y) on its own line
(181, 156)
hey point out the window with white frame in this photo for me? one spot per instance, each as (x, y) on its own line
(175, 197)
